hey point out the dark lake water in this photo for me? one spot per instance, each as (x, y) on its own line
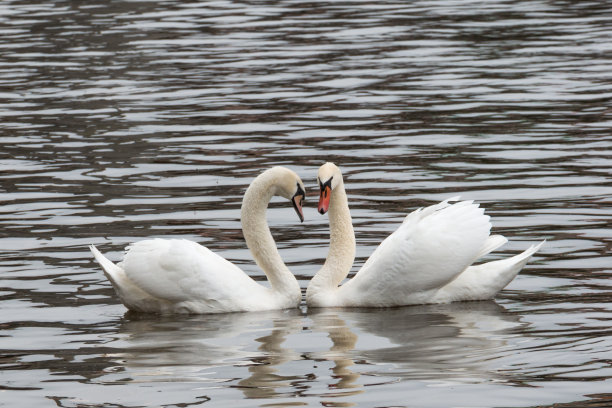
(121, 120)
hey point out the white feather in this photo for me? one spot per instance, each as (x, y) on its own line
(179, 276)
(428, 259)
(422, 255)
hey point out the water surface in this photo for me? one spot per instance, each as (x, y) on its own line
(123, 120)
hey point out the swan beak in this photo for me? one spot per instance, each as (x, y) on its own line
(324, 198)
(297, 201)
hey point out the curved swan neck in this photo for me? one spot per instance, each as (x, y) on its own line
(257, 234)
(341, 246)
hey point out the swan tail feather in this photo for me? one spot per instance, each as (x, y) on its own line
(508, 268)
(524, 256)
(112, 271)
(484, 281)
(132, 296)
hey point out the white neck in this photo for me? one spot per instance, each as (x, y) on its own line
(258, 237)
(341, 246)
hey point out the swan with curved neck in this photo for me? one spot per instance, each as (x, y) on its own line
(180, 276)
(428, 259)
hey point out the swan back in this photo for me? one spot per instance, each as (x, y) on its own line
(430, 249)
(186, 276)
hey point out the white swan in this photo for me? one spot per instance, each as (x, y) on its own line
(426, 260)
(179, 276)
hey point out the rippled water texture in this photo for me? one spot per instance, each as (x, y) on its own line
(121, 120)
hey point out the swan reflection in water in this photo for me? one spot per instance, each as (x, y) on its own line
(457, 342)
(285, 355)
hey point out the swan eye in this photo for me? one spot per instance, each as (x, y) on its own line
(297, 200)
(326, 184)
(300, 191)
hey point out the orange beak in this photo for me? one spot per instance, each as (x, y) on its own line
(324, 199)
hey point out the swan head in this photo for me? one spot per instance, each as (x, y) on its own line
(329, 177)
(290, 186)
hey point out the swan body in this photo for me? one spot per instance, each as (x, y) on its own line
(170, 276)
(428, 259)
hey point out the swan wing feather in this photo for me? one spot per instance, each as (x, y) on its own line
(178, 270)
(431, 247)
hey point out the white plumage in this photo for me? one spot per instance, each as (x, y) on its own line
(426, 260)
(179, 276)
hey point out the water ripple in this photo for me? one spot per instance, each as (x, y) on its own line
(125, 120)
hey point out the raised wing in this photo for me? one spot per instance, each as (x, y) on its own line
(182, 271)
(431, 247)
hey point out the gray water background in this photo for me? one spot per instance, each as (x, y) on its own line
(122, 120)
